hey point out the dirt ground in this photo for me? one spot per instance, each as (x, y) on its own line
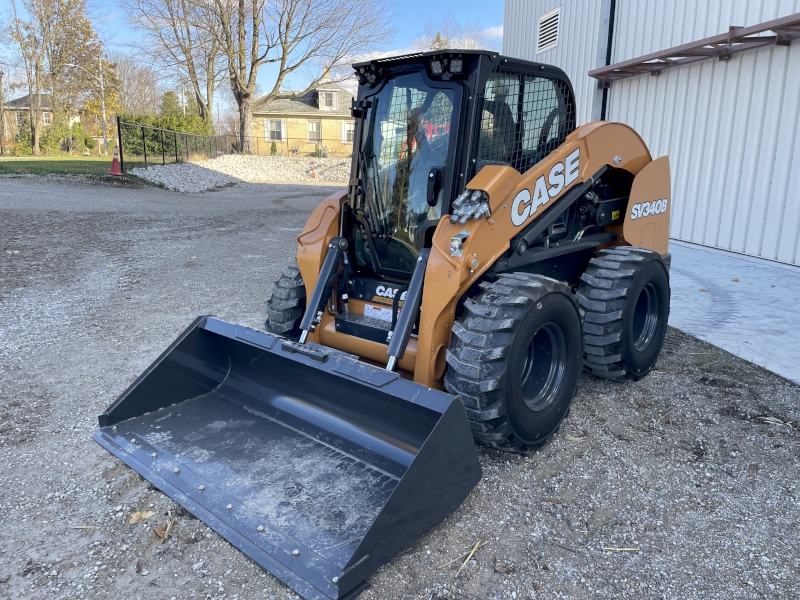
(683, 485)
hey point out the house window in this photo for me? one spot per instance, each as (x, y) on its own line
(275, 130)
(314, 131)
(20, 118)
(348, 129)
(326, 100)
(46, 117)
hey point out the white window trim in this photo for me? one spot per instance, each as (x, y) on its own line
(344, 132)
(319, 131)
(268, 131)
(557, 13)
(321, 102)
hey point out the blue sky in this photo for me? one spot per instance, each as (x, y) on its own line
(408, 17)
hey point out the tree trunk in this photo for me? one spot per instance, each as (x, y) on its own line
(246, 123)
(36, 112)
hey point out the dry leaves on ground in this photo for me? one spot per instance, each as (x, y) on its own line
(138, 516)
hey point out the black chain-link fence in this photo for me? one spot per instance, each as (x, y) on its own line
(143, 146)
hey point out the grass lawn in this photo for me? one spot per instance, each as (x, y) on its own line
(45, 165)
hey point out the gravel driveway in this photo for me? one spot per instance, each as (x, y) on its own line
(683, 485)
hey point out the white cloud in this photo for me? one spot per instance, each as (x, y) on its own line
(493, 32)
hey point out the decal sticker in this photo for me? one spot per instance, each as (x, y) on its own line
(614, 215)
(645, 209)
(376, 312)
(561, 175)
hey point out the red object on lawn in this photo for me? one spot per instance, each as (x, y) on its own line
(115, 164)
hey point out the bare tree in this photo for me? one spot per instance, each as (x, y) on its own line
(448, 32)
(32, 37)
(139, 91)
(183, 39)
(290, 35)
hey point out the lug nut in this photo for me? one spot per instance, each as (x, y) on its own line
(260, 529)
(295, 553)
(177, 471)
(154, 455)
(202, 488)
(335, 580)
(230, 507)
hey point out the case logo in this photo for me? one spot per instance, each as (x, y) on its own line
(389, 292)
(645, 209)
(561, 175)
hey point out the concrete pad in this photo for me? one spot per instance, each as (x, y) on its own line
(756, 318)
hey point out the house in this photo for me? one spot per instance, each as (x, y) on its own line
(17, 113)
(319, 121)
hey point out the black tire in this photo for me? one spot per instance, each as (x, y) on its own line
(515, 403)
(624, 297)
(288, 302)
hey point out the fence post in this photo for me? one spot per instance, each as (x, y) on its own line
(175, 139)
(119, 138)
(144, 147)
(163, 150)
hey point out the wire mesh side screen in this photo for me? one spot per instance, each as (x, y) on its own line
(524, 119)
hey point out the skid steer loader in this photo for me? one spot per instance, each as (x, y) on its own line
(485, 251)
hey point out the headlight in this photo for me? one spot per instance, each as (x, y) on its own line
(436, 67)
(456, 65)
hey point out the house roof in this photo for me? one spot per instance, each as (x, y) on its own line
(24, 102)
(309, 102)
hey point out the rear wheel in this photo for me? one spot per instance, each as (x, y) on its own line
(515, 360)
(285, 307)
(624, 296)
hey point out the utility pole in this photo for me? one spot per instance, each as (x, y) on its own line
(103, 106)
(102, 98)
(2, 115)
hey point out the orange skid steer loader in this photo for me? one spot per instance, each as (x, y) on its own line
(486, 251)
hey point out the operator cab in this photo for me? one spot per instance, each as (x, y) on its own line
(425, 125)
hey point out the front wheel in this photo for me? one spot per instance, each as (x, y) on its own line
(515, 360)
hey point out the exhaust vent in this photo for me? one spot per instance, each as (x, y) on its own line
(548, 31)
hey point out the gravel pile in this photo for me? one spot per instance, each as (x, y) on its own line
(230, 169)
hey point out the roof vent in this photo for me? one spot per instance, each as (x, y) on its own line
(548, 31)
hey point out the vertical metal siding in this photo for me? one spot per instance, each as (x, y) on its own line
(730, 127)
(581, 42)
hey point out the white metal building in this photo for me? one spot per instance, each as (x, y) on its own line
(730, 122)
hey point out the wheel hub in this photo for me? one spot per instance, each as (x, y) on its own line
(645, 317)
(545, 364)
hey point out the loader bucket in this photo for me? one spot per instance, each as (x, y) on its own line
(318, 467)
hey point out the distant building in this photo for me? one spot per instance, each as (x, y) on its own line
(17, 113)
(319, 120)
